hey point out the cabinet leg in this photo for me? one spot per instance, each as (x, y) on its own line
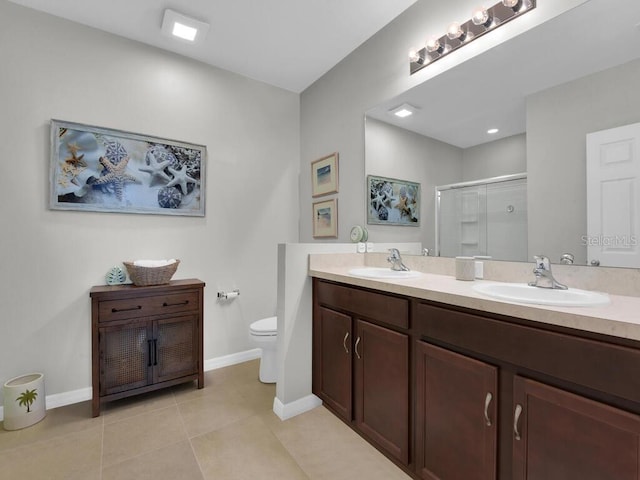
(201, 380)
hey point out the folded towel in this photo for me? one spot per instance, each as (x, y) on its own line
(153, 263)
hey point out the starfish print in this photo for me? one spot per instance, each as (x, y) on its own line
(156, 169)
(116, 175)
(181, 178)
(73, 148)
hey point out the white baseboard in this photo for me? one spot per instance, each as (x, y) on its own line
(291, 409)
(232, 359)
(76, 396)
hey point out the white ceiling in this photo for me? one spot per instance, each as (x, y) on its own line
(286, 43)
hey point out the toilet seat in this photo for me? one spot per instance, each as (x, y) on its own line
(266, 327)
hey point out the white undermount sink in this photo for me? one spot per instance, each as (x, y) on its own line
(382, 273)
(523, 293)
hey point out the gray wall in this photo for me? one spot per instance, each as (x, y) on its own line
(398, 153)
(52, 68)
(558, 120)
(493, 159)
(332, 109)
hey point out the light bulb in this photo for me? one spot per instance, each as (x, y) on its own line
(511, 3)
(480, 16)
(433, 45)
(414, 55)
(455, 31)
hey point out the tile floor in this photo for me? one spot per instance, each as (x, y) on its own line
(225, 431)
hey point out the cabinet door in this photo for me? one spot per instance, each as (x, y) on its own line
(175, 348)
(381, 387)
(558, 435)
(332, 360)
(456, 412)
(125, 357)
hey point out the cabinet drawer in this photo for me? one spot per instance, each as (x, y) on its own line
(594, 364)
(371, 305)
(124, 308)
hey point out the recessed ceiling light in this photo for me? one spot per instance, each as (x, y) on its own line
(491, 131)
(181, 27)
(404, 110)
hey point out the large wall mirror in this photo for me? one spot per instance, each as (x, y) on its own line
(545, 90)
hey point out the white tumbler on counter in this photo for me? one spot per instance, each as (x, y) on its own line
(465, 268)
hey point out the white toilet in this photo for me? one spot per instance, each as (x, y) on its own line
(264, 334)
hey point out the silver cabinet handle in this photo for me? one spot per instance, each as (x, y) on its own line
(355, 348)
(487, 402)
(344, 342)
(516, 419)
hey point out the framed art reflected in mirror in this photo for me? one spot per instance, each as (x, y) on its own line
(392, 202)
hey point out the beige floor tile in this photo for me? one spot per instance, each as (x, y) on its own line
(258, 395)
(214, 411)
(69, 457)
(57, 422)
(326, 448)
(245, 450)
(141, 434)
(173, 462)
(137, 405)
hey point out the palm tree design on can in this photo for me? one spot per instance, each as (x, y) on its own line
(27, 398)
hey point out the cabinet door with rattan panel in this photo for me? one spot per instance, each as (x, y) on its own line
(175, 347)
(125, 357)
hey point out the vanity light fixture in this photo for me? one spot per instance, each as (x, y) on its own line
(181, 27)
(403, 111)
(482, 20)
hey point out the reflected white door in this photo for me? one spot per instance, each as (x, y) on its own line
(613, 196)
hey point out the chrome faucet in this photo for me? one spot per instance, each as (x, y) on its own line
(396, 261)
(544, 277)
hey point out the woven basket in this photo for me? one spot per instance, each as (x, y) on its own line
(146, 276)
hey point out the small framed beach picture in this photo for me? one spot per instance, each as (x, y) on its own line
(324, 175)
(105, 170)
(392, 202)
(325, 219)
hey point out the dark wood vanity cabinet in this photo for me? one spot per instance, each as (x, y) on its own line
(145, 338)
(484, 397)
(558, 435)
(456, 418)
(567, 406)
(361, 363)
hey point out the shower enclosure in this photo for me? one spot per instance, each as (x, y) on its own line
(484, 218)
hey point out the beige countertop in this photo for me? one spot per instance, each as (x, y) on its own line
(621, 318)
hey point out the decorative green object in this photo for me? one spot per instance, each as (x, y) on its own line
(116, 276)
(27, 398)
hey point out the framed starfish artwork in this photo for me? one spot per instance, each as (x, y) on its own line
(392, 202)
(100, 169)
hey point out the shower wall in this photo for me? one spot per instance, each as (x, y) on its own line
(487, 218)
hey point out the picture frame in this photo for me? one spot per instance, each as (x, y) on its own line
(101, 169)
(324, 175)
(325, 219)
(391, 201)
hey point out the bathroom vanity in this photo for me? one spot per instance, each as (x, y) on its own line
(452, 385)
(145, 338)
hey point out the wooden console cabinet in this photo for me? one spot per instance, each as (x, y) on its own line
(485, 396)
(145, 338)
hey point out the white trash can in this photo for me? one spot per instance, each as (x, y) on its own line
(24, 401)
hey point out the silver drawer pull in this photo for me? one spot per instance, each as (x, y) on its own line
(356, 347)
(516, 419)
(344, 342)
(487, 402)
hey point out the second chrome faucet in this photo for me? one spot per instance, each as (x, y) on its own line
(544, 277)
